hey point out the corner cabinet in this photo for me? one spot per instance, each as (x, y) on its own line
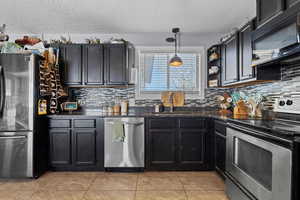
(178, 144)
(230, 60)
(76, 144)
(95, 64)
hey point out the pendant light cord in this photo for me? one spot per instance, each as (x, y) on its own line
(176, 44)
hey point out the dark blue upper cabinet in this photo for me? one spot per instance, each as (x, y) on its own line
(291, 3)
(268, 9)
(230, 60)
(116, 65)
(72, 71)
(95, 64)
(245, 51)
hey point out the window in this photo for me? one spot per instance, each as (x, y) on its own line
(155, 75)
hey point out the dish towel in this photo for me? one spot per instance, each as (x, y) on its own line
(118, 131)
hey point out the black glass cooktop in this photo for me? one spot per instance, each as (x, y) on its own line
(281, 126)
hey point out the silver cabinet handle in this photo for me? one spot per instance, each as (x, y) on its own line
(12, 137)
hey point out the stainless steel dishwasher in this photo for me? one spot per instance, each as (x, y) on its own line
(124, 143)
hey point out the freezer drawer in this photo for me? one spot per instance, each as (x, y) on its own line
(129, 150)
(16, 154)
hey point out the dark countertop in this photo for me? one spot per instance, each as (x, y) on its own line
(208, 114)
(283, 128)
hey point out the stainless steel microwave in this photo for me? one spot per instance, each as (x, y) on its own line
(277, 41)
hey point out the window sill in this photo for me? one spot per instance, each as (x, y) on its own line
(157, 95)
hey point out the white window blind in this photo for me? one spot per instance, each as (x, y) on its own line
(157, 75)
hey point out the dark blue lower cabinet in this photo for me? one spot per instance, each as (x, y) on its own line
(77, 149)
(178, 144)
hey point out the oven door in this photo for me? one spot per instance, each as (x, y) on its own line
(261, 167)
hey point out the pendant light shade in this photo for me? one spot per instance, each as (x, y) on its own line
(176, 61)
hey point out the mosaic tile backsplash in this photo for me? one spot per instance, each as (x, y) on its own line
(95, 97)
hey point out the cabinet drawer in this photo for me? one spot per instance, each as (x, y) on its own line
(220, 127)
(162, 123)
(60, 123)
(84, 123)
(190, 123)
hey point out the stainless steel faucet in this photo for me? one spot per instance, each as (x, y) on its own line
(171, 102)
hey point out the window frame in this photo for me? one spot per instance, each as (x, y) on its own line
(201, 70)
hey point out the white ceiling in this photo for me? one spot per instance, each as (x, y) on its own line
(124, 16)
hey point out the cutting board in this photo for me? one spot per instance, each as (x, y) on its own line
(178, 98)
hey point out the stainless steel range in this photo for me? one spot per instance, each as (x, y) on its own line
(263, 168)
(263, 165)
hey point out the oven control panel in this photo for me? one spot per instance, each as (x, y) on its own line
(288, 105)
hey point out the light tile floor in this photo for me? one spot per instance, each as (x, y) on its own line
(116, 186)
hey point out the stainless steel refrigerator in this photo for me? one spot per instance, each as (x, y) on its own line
(18, 98)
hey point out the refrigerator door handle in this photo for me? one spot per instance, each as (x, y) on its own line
(13, 137)
(2, 90)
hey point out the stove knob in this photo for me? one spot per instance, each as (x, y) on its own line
(281, 103)
(289, 102)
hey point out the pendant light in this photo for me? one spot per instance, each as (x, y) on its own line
(176, 60)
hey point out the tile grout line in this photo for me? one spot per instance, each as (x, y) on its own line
(136, 186)
(186, 195)
(183, 188)
(90, 185)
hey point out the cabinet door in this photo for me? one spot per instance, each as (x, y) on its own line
(93, 64)
(267, 9)
(245, 50)
(60, 147)
(72, 64)
(161, 149)
(191, 145)
(84, 146)
(115, 64)
(291, 3)
(220, 152)
(230, 65)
